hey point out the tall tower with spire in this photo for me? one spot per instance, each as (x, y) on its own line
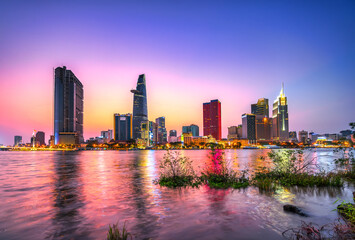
(280, 117)
(140, 110)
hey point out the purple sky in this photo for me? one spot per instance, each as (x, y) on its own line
(234, 51)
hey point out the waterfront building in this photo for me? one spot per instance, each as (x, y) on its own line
(68, 107)
(51, 141)
(293, 136)
(122, 127)
(249, 127)
(280, 117)
(17, 140)
(186, 138)
(194, 129)
(263, 127)
(233, 133)
(172, 136)
(161, 131)
(212, 119)
(303, 136)
(108, 135)
(261, 107)
(173, 133)
(140, 109)
(40, 137)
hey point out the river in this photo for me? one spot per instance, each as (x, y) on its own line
(76, 195)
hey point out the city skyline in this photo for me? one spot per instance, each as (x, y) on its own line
(187, 61)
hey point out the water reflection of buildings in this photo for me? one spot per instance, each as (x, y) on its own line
(144, 194)
(67, 192)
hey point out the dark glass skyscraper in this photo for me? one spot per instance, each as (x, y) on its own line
(140, 109)
(122, 127)
(161, 131)
(194, 129)
(248, 127)
(18, 140)
(68, 107)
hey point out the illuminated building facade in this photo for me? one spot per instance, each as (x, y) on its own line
(263, 127)
(280, 117)
(261, 107)
(40, 138)
(194, 129)
(68, 107)
(212, 119)
(122, 127)
(161, 131)
(249, 127)
(140, 110)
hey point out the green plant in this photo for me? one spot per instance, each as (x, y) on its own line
(114, 233)
(176, 171)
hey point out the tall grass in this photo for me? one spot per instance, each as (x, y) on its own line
(114, 232)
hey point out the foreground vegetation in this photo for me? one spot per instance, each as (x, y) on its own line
(114, 233)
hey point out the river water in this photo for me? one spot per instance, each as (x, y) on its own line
(76, 195)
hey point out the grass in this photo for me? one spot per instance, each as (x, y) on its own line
(224, 181)
(268, 180)
(179, 181)
(114, 233)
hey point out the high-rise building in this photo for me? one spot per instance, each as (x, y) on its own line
(122, 127)
(161, 131)
(107, 134)
(263, 127)
(212, 119)
(292, 136)
(261, 107)
(40, 137)
(17, 140)
(303, 136)
(172, 133)
(68, 107)
(249, 127)
(194, 129)
(140, 110)
(280, 117)
(233, 133)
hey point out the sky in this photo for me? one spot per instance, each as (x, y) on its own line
(191, 52)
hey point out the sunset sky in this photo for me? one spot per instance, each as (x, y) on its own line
(234, 51)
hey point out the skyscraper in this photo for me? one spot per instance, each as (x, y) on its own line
(261, 107)
(122, 127)
(17, 140)
(140, 110)
(280, 117)
(194, 129)
(212, 119)
(248, 127)
(40, 137)
(161, 131)
(68, 107)
(172, 133)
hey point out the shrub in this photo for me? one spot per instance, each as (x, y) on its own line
(176, 171)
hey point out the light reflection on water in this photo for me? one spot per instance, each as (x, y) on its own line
(75, 195)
